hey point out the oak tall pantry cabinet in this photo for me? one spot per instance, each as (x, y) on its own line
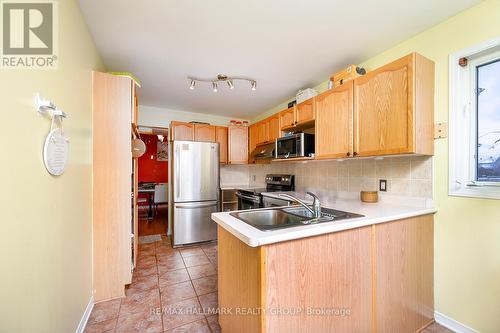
(112, 115)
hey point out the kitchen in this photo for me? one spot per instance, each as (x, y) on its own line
(218, 167)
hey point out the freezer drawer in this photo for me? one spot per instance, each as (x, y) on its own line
(193, 223)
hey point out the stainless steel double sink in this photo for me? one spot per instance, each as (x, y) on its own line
(276, 218)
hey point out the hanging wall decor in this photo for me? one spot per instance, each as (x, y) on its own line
(56, 147)
(162, 151)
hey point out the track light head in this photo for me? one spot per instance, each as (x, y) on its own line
(230, 84)
(193, 83)
(254, 85)
(214, 86)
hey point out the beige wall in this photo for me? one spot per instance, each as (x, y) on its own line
(467, 231)
(46, 265)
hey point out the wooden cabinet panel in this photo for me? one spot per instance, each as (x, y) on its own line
(113, 103)
(384, 117)
(221, 138)
(252, 141)
(262, 132)
(334, 116)
(240, 273)
(238, 144)
(404, 274)
(331, 271)
(304, 112)
(273, 128)
(394, 108)
(287, 118)
(204, 132)
(181, 131)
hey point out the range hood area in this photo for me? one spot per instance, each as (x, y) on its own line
(264, 152)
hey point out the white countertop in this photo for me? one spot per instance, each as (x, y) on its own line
(389, 208)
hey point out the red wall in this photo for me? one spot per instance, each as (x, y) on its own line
(150, 170)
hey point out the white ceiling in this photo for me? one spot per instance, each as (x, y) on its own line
(284, 44)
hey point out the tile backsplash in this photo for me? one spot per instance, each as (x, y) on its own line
(405, 175)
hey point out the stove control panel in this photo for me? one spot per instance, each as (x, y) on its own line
(275, 179)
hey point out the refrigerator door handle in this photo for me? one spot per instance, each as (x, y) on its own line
(177, 176)
(181, 206)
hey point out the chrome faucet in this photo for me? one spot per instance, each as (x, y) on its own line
(316, 206)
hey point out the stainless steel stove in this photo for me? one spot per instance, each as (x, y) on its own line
(251, 198)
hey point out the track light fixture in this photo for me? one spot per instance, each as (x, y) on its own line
(222, 78)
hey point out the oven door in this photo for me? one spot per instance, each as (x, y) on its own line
(247, 201)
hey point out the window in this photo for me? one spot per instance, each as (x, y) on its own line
(475, 121)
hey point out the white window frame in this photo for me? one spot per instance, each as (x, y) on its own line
(462, 123)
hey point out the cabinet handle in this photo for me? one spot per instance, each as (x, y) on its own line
(348, 154)
(355, 154)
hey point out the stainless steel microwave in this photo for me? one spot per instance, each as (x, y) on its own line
(296, 145)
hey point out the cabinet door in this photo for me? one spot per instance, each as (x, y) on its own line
(273, 128)
(334, 122)
(304, 112)
(238, 144)
(287, 118)
(203, 132)
(181, 131)
(383, 106)
(221, 138)
(252, 139)
(262, 132)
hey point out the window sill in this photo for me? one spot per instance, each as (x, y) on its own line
(476, 192)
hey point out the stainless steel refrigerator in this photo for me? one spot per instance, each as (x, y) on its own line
(194, 191)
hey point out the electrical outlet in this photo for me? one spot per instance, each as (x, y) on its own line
(382, 185)
(254, 177)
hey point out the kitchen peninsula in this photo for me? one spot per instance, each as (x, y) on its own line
(367, 274)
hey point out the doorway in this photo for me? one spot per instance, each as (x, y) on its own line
(152, 183)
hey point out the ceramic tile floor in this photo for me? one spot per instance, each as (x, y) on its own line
(172, 291)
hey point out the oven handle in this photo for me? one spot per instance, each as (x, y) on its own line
(252, 199)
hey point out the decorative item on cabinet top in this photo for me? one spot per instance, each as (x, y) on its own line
(347, 74)
(129, 75)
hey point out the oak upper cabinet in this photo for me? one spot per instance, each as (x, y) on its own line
(238, 144)
(394, 108)
(252, 141)
(287, 118)
(221, 138)
(181, 131)
(204, 132)
(334, 122)
(262, 132)
(273, 128)
(304, 112)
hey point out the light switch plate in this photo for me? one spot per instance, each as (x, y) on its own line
(440, 130)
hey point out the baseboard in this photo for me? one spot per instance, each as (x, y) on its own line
(452, 324)
(85, 317)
